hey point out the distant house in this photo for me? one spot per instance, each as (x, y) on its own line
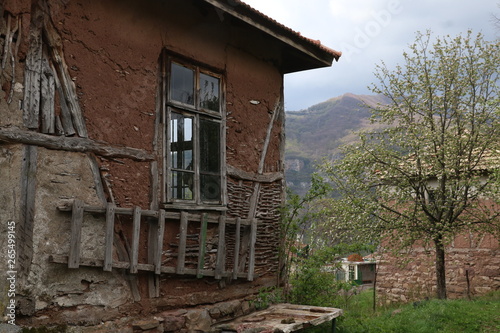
(357, 271)
(141, 158)
(472, 258)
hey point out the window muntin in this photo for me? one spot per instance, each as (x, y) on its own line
(194, 135)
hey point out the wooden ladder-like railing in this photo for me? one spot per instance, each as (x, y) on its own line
(157, 221)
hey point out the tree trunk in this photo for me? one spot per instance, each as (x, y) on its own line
(440, 269)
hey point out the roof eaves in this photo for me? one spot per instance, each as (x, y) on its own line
(310, 47)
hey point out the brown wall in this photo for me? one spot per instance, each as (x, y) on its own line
(112, 49)
(477, 257)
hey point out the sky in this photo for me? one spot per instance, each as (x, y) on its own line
(368, 32)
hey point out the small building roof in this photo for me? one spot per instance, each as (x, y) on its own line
(299, 53)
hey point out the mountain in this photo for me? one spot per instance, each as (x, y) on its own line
(317, 132)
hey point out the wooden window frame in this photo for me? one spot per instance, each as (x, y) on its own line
(197, 113)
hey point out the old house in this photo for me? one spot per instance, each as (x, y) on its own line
(141, 159)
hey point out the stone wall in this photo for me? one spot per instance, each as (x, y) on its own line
(472, 268)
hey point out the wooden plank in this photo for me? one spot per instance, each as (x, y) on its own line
(14, 134)
(66, 122)
(160, 235)
(237, 248)
(76, 234)
(68, 86)
(251, 260)
(47, 99)
(33, 72)
(28, 192)
(110, 231)
(203, 246)
(96, 173)
(255, 177)
(221, 248)
(136, 230)
(61, 259)
(181, 258)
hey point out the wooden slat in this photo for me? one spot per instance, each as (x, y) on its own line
(110, 230)
(66, 122)
(181, 258)
(47, 99)
(76, 234)
(253, 240)
(60, 259)
(159, 241)
(202, 249)
(221, 248)
(33, 72)
(135, 239)
(237, 248)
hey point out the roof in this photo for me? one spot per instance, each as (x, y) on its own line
(300, 53)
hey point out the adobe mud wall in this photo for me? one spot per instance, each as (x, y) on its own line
(472, 268)
(111, 53)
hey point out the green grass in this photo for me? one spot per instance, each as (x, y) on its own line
(433, 316)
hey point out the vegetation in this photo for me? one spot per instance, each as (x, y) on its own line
(425, 176)
(433, 316)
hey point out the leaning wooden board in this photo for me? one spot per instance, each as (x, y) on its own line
(283, 318)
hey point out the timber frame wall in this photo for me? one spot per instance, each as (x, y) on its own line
(246, 233)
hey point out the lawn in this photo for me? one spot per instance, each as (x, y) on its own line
(481, 314)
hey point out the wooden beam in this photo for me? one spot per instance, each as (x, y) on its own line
(181, 255)
(221, 248)
(110, 231)
(61, 259)
(136, 233)
(76, 234)
(16, 135)
(54, 42)
(203, 246)
(251, 260)
(47, 99)
(255, 177)
(33, 71)
(237, 248)
(159, 242)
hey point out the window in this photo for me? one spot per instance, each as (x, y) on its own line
(194, 128)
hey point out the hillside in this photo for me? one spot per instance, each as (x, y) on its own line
(317, 132)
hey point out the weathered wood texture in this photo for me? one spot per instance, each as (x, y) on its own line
(75, 144)
(197, 246)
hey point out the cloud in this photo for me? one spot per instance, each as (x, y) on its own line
(367, 32)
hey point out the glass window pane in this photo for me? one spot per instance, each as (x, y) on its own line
(182, 185)
(209, 146)
(182, 84)
(181, 142)
(210, 187)
(209, 92)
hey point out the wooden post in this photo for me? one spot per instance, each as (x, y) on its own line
(110, 230)
(159, 241)
(251, 260)
(76, 234)
(221, 248)
(237, 248)
(135, 239)
(203, 243)
(181, 255)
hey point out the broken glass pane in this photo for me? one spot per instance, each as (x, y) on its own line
(209, 92)
(182, 185)
(209, 146)
(181, 142)
(182, 84)
(210, 187)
